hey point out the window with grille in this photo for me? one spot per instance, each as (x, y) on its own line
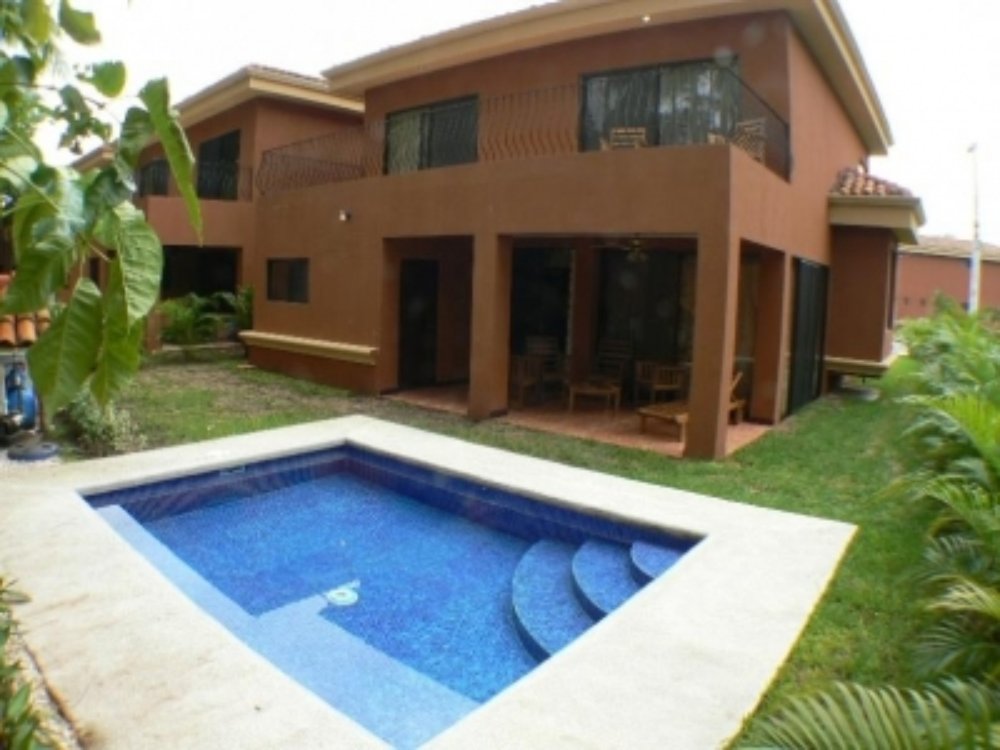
(218, 167)
(437, 135)
(664, 105)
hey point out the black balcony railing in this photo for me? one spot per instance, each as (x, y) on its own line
(533, 124)
(334, 157)
(225, 181)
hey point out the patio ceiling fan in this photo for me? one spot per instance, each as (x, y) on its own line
(634, 248)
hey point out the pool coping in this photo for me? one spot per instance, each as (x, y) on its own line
(103, 623)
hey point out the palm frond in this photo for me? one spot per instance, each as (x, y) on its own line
(954, 714)
(958, 646)
(958, 556)
(966, 596)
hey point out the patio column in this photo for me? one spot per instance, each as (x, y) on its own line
(490, 350)
(771, 346)
(716, 291)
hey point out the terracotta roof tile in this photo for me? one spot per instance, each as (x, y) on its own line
(20, 330)
(854, 181)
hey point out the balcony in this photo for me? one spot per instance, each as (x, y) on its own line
(224, 181)
(538, 123)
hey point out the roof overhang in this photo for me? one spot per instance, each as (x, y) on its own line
(254, 82)
(247, 83)
(96, 158)
(902, 215)
(821, 24)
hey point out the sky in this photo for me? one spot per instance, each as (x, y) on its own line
(935, 66)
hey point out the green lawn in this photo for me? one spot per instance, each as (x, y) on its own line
(830, 460)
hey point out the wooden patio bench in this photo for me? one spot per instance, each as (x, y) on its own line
(677, 412)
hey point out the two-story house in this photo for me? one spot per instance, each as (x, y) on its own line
(229, 125)
(671, 174)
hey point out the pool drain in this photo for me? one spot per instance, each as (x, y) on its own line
(344, 595)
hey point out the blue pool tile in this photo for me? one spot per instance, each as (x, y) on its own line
(602, 576)
(546, 609)
(651, 560)
(461, 585)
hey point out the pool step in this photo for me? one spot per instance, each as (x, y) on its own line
(547, 612)
(650, 560)
(602, 576)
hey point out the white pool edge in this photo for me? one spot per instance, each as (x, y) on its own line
(679, 666)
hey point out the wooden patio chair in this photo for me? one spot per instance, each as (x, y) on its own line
(525, 375)
(657, 378)
(611, 361)
(553, 361)
(677, 412)
(605, 380)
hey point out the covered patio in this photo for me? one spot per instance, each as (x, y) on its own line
(569, 300)
(590, 420)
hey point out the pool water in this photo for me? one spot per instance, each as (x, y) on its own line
(402, 596)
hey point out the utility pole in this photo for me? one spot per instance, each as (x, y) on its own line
(975, 262)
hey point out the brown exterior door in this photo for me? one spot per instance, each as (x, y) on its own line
(809, 334)
(418, 325)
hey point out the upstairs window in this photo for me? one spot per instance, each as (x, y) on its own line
(218, 167)
(438, 135)
(675, 104)
(288, 280)
(152, 178)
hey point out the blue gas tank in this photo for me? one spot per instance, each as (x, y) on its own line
(21, 394)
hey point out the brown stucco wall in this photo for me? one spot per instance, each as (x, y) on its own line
(586, 194)
(347, 375)
(716, 194)
(263, 124)
(860, 294)
(278, 123)
(921, 277)
(225, 223)
(758, 41)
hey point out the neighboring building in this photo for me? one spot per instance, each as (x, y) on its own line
(229, 126)
(940, 265)
(685, 177)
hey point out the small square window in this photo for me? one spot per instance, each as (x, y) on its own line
(288, 280)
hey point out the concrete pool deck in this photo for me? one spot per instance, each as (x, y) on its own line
(137, 665)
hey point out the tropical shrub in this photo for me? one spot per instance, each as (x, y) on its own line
(20, 727)
(61, 218)
(189, 320)
(952, 452)
(241, 305)
(100, 431)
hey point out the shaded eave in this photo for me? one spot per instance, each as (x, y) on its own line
(247, 83)
(990, 253)
(901, 214)
(255, 81)
(821, 24)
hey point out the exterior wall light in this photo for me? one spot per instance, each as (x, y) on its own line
(344, 215)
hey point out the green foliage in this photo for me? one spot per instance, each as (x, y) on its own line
(100, 431)
(189, 320)
(62, 218)
(241, 304)
(955, 353)
(954, 714)
(952, 447)
(19, 723)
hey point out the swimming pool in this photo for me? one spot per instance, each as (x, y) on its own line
(443, 591)
(138, 664)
